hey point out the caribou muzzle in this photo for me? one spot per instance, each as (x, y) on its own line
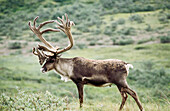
(43, 70)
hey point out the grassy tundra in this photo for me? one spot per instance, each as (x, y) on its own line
(27, 88)
(135, 31)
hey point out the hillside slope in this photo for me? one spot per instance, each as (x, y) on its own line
(98, 23)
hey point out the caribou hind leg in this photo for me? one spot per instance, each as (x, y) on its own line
(134, 95)
(124, 90)
(124, 97)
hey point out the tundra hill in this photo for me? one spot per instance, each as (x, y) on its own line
(98, 23)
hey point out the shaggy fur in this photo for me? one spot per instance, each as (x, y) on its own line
(98, 73)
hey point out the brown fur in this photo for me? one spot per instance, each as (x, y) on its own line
(113, 71)
(98, 73)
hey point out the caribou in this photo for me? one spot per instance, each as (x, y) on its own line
(80, 70)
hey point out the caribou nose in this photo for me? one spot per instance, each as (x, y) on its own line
(43, 70)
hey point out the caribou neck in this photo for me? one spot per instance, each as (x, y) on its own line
(64, 66)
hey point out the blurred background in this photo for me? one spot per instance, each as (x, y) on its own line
(135, 31)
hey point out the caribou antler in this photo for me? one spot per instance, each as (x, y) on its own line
(39, 33)
(40, 55)
(64, 26)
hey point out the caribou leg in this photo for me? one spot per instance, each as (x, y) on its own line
(124, 97)
(80, 91)
(134, 95)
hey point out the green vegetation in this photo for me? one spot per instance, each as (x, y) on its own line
(136, 31)
(108, 18)
(21, 79)
(14, 45)
(145, 40)
(136, 18)
(165, 39)
(124, 42)
(34, 101)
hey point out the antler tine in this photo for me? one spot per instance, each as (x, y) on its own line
(66, 28)
(46, 30)
(29, 23)
(40, 55)
(72, 23)
(62, 20)
(60, 25)
(44, 23)
(44, 54)
(37, 51)
(40, 47)
(35, 20)
(67, 20)
(33, 51)
(63, 17)
(47, 55)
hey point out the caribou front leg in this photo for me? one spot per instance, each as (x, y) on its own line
(80, 91)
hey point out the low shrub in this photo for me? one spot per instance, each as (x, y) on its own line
(121, 21)
(82, 28)
(163, 19)
(136, 18)
(90, 38)
(100, 43)
(145, 40)
(114, 41)
(108, 31)
(18, 52)
(140, 47)
(168, 15)
(1, 38)
(97, 31)
(165, 39)
(113, 26)
(127, 31)
(81, 45)
(92, 43)
(148, 28)
(14, 45)
(124, 42)
(32, 101)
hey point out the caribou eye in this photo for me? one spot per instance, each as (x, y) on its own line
(51, 61)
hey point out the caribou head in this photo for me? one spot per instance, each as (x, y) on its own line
(48, 53)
